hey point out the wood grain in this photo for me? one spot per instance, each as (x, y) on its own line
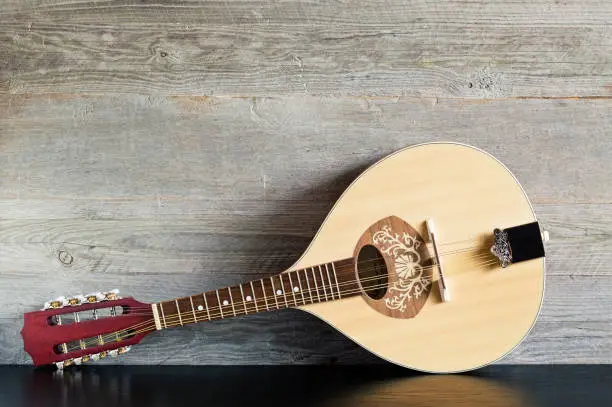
(170, 147)
(163, 197)
(143, 153)
(472, 49)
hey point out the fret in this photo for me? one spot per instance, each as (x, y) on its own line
(219, 302)
(185, 310)
(170, 312)
(274, 293)
(227, 305)
(206, 306)
(197, 304)
(264, 293)
(254, 297)
(308, 284)
(336, 279)
(231, 300)
(195, 317)
(178, 309)
(347, 283)
(283, 289)
(214, 305)
(322, 282)
(331, 287)
(163, 315)
(244, 301)
(259, 295)
(314, 277)
(237, 304)
(300, 284)
(293, 289)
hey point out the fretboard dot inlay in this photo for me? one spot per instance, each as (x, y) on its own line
(296, 289)
(279, 292)
(248, 298)
(225, 302)
(200, 308)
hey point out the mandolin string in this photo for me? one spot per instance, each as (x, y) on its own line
(468, 248)
(176, 321)
(189, 314)
(464, 249)
(239, 304)
(188, 319)
(361, 263)
(147, 309)
(332, 288)
(150, 324)
(217, 310)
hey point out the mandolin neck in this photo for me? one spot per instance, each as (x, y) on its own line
(325, 282)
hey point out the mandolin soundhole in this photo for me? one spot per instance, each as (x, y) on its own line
(372, 272)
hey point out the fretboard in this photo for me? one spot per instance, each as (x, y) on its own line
(325, 282)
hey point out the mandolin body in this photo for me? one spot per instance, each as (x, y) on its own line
(431, 259)
(467, 193)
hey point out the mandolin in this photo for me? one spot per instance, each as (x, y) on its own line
(431, 259)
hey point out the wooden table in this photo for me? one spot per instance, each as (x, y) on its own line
(165, 148)
(302, 386)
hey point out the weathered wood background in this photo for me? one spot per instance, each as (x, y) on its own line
(169, 147)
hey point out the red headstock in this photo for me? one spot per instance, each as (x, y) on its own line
(75, 330)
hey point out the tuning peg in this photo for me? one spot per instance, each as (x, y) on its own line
(124, 349)
(111, 295)
(64, 364)
(95, 297)
(82, 299)
(96, 356)
(76, 300)
(119, 351)
(59, 302)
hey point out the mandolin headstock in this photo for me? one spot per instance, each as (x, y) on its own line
(77, 329)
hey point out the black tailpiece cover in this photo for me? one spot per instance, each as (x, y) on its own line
(525, 242)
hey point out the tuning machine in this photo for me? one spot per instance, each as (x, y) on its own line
(77, 300)
(102, 296)
(58, 302)
(96, 356)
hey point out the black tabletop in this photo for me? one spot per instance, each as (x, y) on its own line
(153, 386)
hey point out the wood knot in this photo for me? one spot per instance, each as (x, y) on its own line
(65, 258)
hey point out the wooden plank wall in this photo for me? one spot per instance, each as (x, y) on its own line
(170, 147)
